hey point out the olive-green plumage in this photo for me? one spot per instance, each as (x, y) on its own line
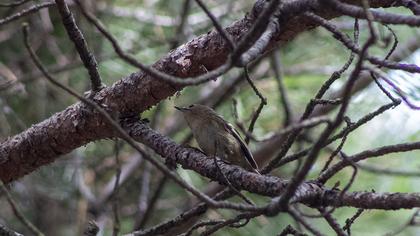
(217, 137)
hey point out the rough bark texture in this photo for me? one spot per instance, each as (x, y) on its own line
(309, 193)
(77, 125)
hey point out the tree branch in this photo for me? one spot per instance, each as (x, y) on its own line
(309, 193)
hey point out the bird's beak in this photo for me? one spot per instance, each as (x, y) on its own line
(182, 109)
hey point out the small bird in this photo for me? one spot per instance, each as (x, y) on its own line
(215, 136)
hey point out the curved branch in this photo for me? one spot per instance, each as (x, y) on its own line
(310, 193)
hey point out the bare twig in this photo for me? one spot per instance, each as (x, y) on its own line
(201, 224)
(183, 20)
(217, 25)
(316, 148)
(263, 102)
(231, 222)
(378, 152)
(310, 108)
(306, 224)
(18, 213)
(263, 25)
(76, 36)
(388, 172)
(25, 12)
(332, 222)
(278, 75)
(115, 204)
(304, 124)
(386, 18)
(143, 199)
(350, 221)
(14, 4)
(343, 132)
(411, 221)
(346, 41)
(149, 70)
(151, 204)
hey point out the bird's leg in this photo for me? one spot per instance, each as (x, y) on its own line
(226, 179)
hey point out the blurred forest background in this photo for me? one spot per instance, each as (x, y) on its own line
(56, 197)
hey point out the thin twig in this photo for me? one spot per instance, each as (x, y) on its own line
(143, 199)
(180, 30)
(388, 172)
(347, 42)
(14, 4)
(350, 221)
(115, 204)
(338, 149)
(316, 148)
(219, 28)
(342, 133)
(278, 75)
(378, 152)
(25, 12)
(152, 203)
(304, 124)
(403, 227)
(255, 33)
(332, 222)
(18, 213)
(231, 222)
(199, 225)
(287, 144)
(263, 102)
(306, 224)
(383, 17)
(229, 184)
(149, 70)
(76, 36)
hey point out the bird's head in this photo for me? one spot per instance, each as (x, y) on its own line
(197, 113)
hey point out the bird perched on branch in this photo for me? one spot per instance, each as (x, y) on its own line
(216, 137)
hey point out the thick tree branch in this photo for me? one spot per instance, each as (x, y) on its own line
(309, 193)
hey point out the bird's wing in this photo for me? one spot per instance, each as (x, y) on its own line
(245, 150)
